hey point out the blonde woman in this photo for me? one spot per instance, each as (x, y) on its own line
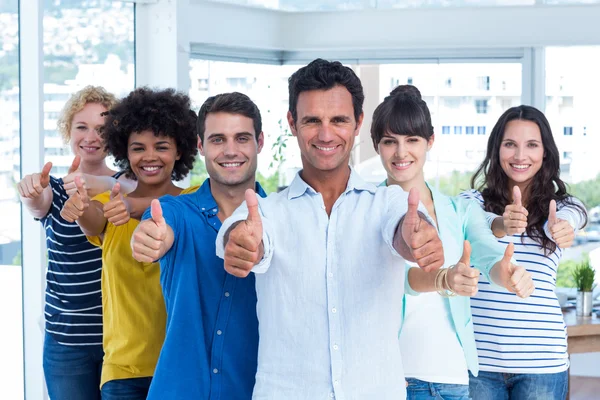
(73, 341)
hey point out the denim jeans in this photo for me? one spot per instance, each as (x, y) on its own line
(126, 389)
(72, 372)
(421, 390)
(501, 386)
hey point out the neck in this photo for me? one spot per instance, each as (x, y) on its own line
(417, 183)
(228, 197)
(525, 189)
(331, 184)
(98, 168)
(155, 191)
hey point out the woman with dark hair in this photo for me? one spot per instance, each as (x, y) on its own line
(522, 343)
(436, 338)
(152, 136)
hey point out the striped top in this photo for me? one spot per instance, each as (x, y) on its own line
(515, 335)
(73, 297)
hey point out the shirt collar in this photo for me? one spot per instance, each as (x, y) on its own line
(206, 202)
(299, 187)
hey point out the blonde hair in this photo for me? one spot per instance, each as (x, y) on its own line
(89, 94)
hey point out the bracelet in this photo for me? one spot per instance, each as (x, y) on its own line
(440, 279)
(449, 290)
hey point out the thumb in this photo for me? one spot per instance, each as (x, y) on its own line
(508, 254)
(156, 212)
(412, 217)
(79, 185)
(252, 203)
(115, 190)
(466, 255)
(517, 196)
(552, 214)
(75, 164)
(45, 174)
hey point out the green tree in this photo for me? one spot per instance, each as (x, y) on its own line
(564, 275)
(587, 191)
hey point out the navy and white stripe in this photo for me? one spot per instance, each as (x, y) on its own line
(515, 335)
(73, 294)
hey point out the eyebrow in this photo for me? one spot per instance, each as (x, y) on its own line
(213, 135)
(142, 144)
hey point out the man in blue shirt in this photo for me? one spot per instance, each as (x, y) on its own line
(211, 341)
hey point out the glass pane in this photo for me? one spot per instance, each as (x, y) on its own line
(11, 334)
(572, 87)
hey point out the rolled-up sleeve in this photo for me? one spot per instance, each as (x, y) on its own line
(240, 214)
(569, 211)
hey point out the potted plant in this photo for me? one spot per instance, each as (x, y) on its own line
(583, 276)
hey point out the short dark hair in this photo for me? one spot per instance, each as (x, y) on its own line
(403, 112)
(233, 103)
(323, 75)
(164, 112)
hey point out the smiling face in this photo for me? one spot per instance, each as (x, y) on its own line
(85, 140)
(403, 158)
(230, 148)
(152, 158)
(521, 152)
(325, 128)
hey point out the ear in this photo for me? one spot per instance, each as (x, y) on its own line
(361, 117)
(200, 147)
(291, 123)
(261, 142)
(430, 142)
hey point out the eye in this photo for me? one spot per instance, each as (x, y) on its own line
(217, 140)
(81, 127)
(243, 139)
(388, 142)
(312, 121)
(162, 148)
(509, 144)
(137, 149)
(412, 140)
(533, 145)
(338, 120)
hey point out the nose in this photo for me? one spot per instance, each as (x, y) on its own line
(401, 151)
(230, 148)
(325, 134)
(149, 154)
(519, 153)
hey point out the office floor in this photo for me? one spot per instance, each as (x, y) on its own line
(584, 388)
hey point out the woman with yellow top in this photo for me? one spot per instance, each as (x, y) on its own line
(152, 136)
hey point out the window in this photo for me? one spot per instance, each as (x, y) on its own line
(481, 130)
(470, 130)
(567, 155)
(483, 83)
(458, 130)
(568, 131)
(445, 130)
(481, 106)
(448, 83)
(409, 81)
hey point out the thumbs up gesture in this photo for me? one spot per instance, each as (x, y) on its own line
(116, 211)
(515, 215)
(148, 240)
(32, 185)
(244, 247)
(514, 278)
(76, 205)
(562, 232)
(462, 279)
(69, 179)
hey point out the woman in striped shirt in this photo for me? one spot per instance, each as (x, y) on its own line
(73, 354)
(522, 343)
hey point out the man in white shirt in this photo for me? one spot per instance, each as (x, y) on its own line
(328, 253)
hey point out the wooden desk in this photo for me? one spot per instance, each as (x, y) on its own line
(584, 333)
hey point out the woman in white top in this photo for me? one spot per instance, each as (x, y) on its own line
(522, 343)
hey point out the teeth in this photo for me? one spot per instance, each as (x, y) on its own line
(325, 148)
(150, 169)
(404, 164)
(519, 166)
(231, 165)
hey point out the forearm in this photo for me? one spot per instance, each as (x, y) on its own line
(92, 222)
(167, 243)
(39, 206)
(498, 275)
(498, 227)
(422, 281)
(137, 206)
(99, 184)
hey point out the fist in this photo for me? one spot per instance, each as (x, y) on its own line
(149, 236)
(33, 185)
(76, 205)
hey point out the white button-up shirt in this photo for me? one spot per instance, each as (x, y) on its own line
(329, 294)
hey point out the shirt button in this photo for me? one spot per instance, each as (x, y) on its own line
(335, 347)
(219, 332)
(226, 294)
(331, 395)
(216, 371)
(330, 274)
(334, 310)
(336, 382)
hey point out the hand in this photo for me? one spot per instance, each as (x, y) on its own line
(515, 215)
(33, 185)
(462, 279)
(515, 279)
(150, 235)
(421, 238)
(244, 249)
(77, 203)
(562, 232)
(69, 179)
(116, 210)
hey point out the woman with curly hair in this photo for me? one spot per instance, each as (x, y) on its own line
(72, 356)
(152, 136)
(522, 343)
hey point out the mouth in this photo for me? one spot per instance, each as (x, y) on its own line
(151, 170)
(326, 149)
(231, 164)
(402, 165)
(89, 149)
(520, 167)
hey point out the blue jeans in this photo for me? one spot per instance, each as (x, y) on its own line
(72, 372)
(501, 386)
(126, 389)
(421, 390)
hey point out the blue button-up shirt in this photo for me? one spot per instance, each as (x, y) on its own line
(329, 294)
(211, 341)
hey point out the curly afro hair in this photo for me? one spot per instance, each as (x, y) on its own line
(164, 112)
